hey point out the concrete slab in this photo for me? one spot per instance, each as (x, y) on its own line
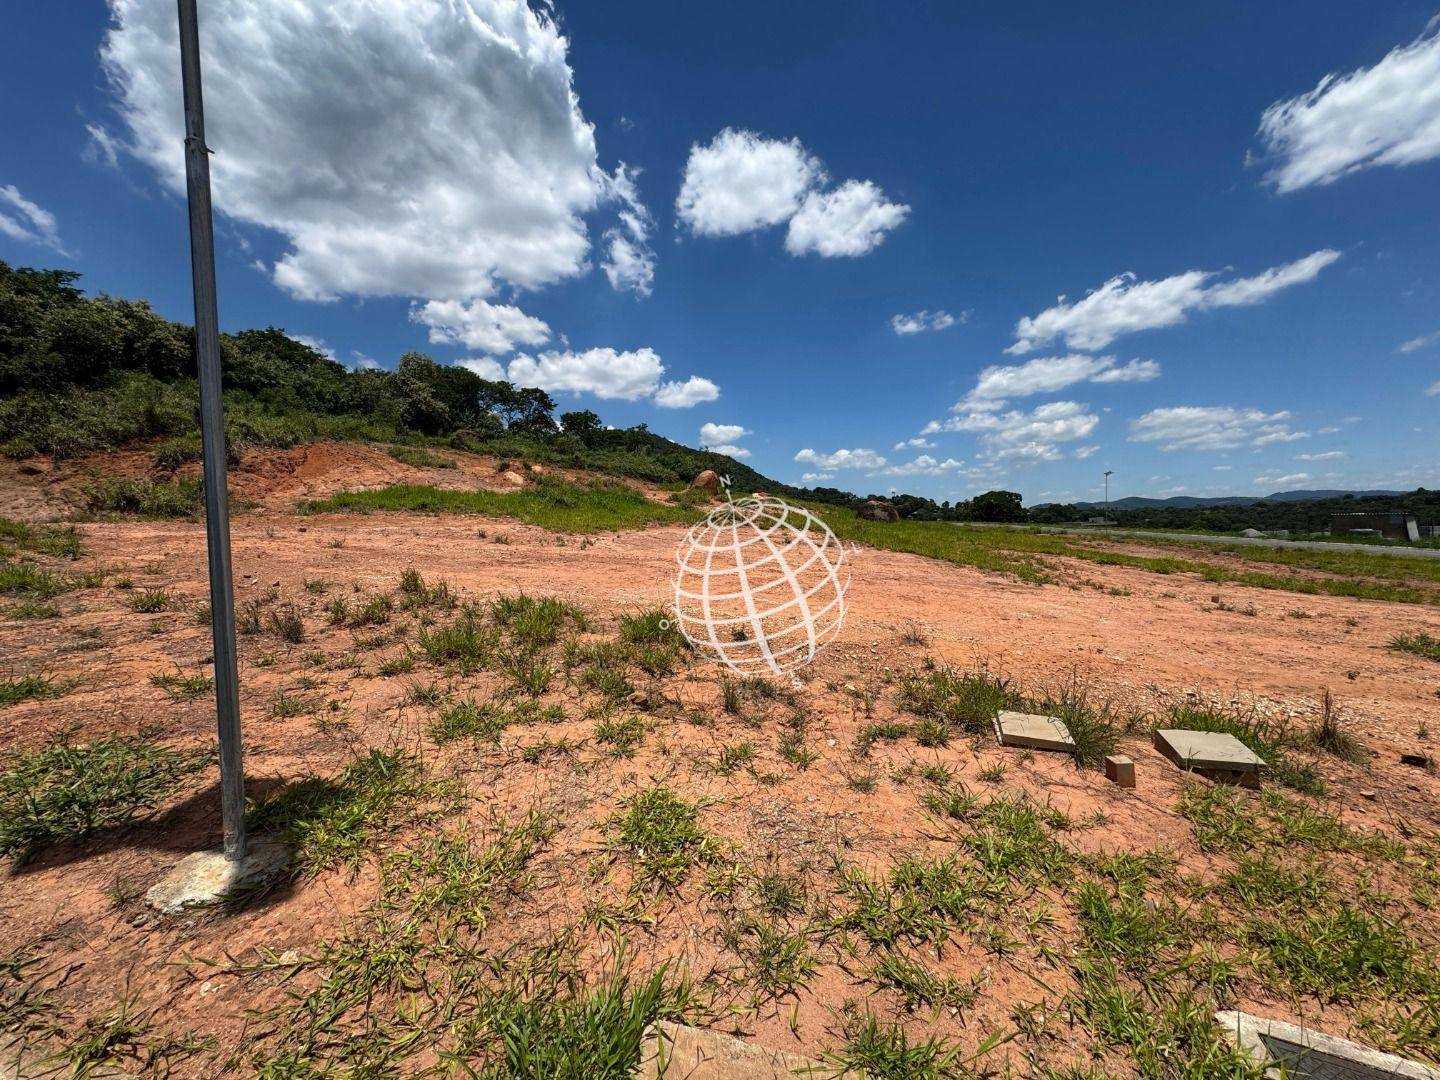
(677, 1052)
(1300, 1053)
(1210, 753)
(1033, 732)
(210, 877)
(1120, 770)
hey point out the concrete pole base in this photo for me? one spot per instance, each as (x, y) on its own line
(210, 877)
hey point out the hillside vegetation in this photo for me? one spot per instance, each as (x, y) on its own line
(82, 375)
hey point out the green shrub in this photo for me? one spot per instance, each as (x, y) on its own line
(144, 498)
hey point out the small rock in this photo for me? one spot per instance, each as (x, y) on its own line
(1368, 795)
(1420, 761)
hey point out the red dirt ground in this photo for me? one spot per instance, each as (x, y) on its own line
(1163, 641)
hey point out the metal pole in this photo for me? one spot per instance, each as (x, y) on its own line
(212, 434)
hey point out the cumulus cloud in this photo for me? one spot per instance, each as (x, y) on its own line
(682, 395)
(629, 260)
(921, 321)
(919, 442)
(716, 434)
(1418, 342)
(479, 324)
(606, 373)
(483, 366)
(310, 342)
(360, 362)
(1388, 114)
(851, 220)
(924, 465)
(1124, 305)
(1047, 374)
(1082, 452)
(23, 220)
(1214, 427)
(438, 169)
(842, 459)
(729, 450)
(741, 181)
(1024, 435)
(816, 477)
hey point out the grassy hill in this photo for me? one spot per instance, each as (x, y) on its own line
(82, 375)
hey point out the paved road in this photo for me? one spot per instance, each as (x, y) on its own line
(1242, 541)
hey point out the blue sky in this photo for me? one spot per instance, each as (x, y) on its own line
(726, 216)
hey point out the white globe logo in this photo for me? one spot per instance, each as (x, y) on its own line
(759, 586)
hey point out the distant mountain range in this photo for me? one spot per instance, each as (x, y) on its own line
(1136, 502)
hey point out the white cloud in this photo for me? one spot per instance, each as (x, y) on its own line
(629, 260)
(360, 362)
(1026, 436)
(715, 434)
(1288, 478)
(318, 344)
(1217, 427)
(605, 373)
(1271, 437)
(102, 147)
(28, 222)
(1418, 342)
(918, 443)
(1083, 452)
(681, 395)
(1047, 374)
(483, 366)
(1124, 305)
(729, 450)
(851, 220)
(479, 324)
(1327, 455)
(924, 465)
(1433, 389)
(741, 182)
(1388, 114)
(921, 321)
(430, 150)
(816, 477)
(842, 459)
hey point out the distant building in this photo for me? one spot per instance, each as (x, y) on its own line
(1391, 524)
(1429, 531)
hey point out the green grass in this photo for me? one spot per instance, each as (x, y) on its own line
(421, 458)
(653, 626)
(662, 834)
(882, 1050)
(144, 498)
(28, 688)
(552, 504)
(1419, 643)
(329, 822)
(1021, 553)
(150, 601)
(28, 579)
(179, 687)
(470, 719)
(65, 791)
(62, 541)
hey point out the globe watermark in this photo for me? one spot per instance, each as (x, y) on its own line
(760, 586)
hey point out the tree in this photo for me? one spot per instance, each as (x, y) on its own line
(997, 506)
(582, 423)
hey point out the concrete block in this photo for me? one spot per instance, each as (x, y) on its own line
(1120, 770)
(686, 1053)
(1033, 732)
(209, 877)
(1300, 1053)
(1214, 754)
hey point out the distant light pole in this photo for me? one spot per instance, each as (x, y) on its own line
(212, 437)
(1108, 474)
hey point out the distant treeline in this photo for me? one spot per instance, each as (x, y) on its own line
(1311, 516)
